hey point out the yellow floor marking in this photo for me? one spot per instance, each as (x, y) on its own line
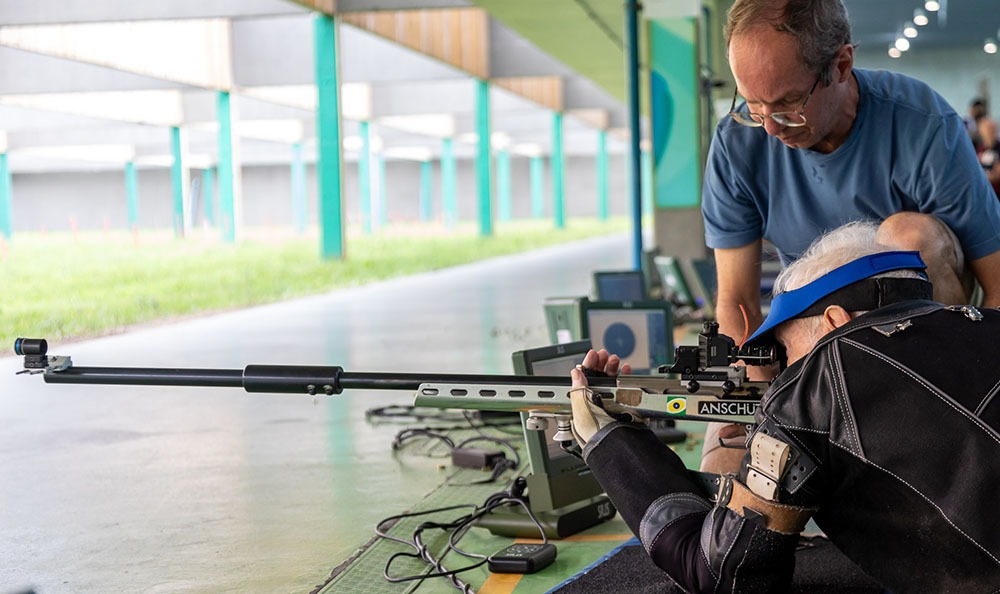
(500, 583)
(581, 538)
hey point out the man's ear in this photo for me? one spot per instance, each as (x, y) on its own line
(834, 317)
(844, 62)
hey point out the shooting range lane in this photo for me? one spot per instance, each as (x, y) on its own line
(157, 489)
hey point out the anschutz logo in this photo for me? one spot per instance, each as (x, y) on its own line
(727, 407)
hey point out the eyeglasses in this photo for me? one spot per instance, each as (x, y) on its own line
(791, 119)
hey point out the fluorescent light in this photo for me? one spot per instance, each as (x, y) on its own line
(902, 44)
(894, 53)
(920, 17)
(909, 30)
(932, 5)
(990, 47)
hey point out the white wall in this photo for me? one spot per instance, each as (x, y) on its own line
(93, 199)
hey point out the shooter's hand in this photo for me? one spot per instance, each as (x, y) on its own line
(590, 411)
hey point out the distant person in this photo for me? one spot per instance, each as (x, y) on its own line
(977, 111)
(988, 151)
(816, 143)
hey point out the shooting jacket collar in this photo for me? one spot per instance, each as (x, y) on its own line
(851, 287)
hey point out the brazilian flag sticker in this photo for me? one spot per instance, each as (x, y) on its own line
(676, 406)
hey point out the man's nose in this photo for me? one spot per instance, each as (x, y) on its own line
(772, 127)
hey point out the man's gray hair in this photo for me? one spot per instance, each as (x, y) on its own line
(833, 250)
(821, 27)
(828, 252)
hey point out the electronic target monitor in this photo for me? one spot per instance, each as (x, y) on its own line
(639, 332)
(619, 285)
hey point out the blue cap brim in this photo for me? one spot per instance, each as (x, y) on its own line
(787, 306)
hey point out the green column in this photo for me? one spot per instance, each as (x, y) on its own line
(503, 186)
(177, 180)
(426, 185)
(365, 177)
(483, 157)
(602, 175)
(6, 210)
(448, 201)
(132, 196)
(227, 179)
(647, 184)
(558, 199)
(537, 187)
(208, 195)
(329, 156)
(298, 173)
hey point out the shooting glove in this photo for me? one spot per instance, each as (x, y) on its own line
(591, 413)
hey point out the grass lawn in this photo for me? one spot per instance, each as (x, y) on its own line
(65, 286)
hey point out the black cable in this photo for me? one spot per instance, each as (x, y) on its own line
(459, 527)
(406, 434)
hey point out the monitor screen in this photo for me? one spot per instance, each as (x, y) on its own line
(545, 453)
(675, 286)
(620, 285)
(639, 332)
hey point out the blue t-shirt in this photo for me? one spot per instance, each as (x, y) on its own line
(907, 151)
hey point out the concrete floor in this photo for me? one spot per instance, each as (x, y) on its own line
(126, 489)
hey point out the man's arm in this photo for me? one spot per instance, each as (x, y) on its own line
(987, 271)
(738, 284)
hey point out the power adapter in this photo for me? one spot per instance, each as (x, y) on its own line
(476, 458)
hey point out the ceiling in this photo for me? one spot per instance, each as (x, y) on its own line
(581, 41)
(589, 35)
(959, 23)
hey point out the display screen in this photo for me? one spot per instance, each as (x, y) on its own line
(640, 337)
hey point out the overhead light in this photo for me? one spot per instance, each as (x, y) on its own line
(894, 53)
(990, 47)
(909, 30)
(920, 17)
(932, 5)
(902, 44)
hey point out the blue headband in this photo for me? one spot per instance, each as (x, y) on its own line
(791, 304)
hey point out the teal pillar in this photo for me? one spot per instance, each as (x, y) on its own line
(426, 186)
(299, 216)
(558, 199)
(503, 186)
(365, 177)
(483, 158)
(132, 196)
(537, 187)
(602, 175)
(382, 195)
(449, 203)
(329, 156)
(178, 180)
(6, 208)
(647, 184)
(208, 195)
(226, 173)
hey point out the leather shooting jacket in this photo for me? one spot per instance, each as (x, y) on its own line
(891, 425)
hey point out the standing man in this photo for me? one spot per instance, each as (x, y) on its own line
(817, 143)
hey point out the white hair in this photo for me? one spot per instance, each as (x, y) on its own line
(832, 250)
(826, 253)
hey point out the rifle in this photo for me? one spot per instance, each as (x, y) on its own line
(704, 383)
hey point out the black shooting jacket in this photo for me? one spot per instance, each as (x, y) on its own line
(893, 425)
